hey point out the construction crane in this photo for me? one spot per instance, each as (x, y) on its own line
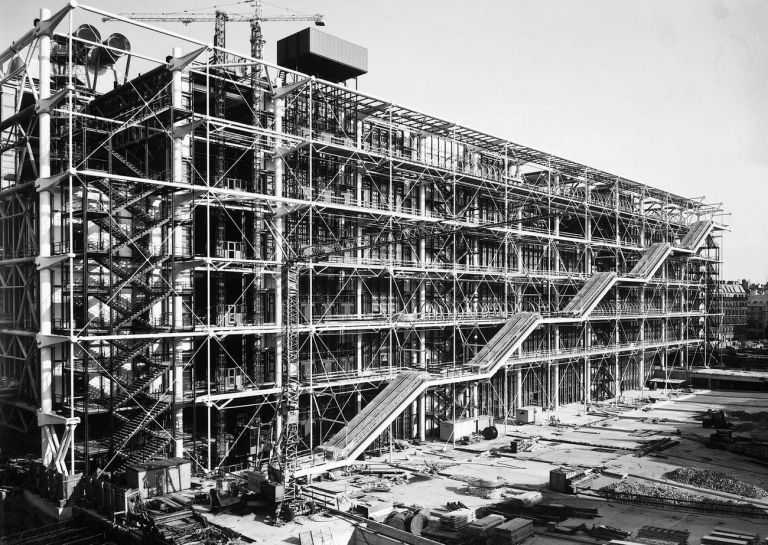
(220, 18)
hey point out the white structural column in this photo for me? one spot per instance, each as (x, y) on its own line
(587, 364)
(359, 257)
(174, 242)
(556, 385)
(641, 336)
(421, 408)
(518, 392)
(279, 228)
(44, 238)
(588, 272)
(53, 451)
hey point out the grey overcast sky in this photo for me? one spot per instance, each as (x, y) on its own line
(666, 92)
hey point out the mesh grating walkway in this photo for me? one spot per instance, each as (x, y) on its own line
(377, 415)
(590, 294)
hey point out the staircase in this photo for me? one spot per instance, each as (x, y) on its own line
(120, 201)
(133, 292)
(696, 236)
(653, 257)
(156, 442)
(130, 276)
(131, 310)
(129, 352)
(149, 410)
(590, 294)
(368, 424)
(136, 388)
(507, 340)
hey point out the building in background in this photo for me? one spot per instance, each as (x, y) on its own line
(757, 314)
(734, 299)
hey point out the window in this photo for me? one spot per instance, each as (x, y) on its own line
(231, 378)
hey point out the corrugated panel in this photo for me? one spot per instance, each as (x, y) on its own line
(323, 55)
(339, 50)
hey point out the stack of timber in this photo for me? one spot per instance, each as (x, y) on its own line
(511, 532)
(657, 445)
(331, 494)
(373, 508)
(481, 527)
(648, 534)
(458, 519)
(728, 536)
(542, 513)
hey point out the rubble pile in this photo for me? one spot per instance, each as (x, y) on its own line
(715, 480)
(653, 490)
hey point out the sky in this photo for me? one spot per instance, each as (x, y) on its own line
(670, 93)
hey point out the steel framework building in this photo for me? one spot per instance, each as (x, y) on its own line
(442, 272)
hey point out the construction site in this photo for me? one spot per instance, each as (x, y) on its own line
(242, 301)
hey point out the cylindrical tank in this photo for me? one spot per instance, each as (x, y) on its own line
(416, 522)
(396, 519)
(119, 42)
(80, 50)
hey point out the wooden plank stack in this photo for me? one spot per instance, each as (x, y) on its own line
(674, 537)
(458, 519)
(481, 527)
(511, 532)
(728, 536)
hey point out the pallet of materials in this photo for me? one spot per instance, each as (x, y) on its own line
(458, 519)
(561, 479)
(330, 495)
(373, 508)
(675, 537)
(603, 531)
(481, 527)
(511, 532)
(727, 536)
(543, 513)
(436, 532)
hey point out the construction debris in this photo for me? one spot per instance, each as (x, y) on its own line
(653, 490)
(676, 498)
(715, 480)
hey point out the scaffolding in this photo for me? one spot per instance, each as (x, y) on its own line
(146, 222)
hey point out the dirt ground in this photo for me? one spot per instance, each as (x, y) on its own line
(605, 439)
